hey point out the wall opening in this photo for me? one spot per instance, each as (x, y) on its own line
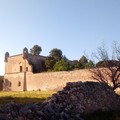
(20, 68)
(19, 83)
(10, 84)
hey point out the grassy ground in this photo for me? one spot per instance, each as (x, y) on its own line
(24, 97)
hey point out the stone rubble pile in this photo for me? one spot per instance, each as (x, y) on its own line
(69, 104)
(77, 98)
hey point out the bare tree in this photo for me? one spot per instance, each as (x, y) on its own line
(110, 73)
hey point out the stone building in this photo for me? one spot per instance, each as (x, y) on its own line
(16, 68)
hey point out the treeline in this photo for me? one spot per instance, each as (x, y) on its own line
(56, 61)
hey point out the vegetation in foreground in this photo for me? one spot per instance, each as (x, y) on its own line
(24, 97)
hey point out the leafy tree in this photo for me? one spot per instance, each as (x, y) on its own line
(49, 63)
(56, 54)
(35, 50)
(74, 64)
(110, 74)
(82, 62)
(90, 64)
(61, 65)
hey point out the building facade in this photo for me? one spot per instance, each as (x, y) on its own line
(16, 68)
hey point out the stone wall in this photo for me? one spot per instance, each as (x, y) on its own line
(46, 80)
(13, 82)
(55, 80)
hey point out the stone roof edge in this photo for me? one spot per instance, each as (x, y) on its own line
(15, 55)
(29, 54)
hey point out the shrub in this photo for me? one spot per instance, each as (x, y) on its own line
(61, 65)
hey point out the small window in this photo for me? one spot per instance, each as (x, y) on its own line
(20, 68)
(19, 83)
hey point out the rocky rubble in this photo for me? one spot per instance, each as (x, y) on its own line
(77, 98)
(68, 104)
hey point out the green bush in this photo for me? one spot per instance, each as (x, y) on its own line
(61, 65)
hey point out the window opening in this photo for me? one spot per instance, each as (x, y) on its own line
(20, 68)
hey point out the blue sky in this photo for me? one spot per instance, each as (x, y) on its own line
(76, 27)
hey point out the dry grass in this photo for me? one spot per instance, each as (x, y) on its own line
(25, 97)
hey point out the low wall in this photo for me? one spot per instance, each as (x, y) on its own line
(45, 80)
(55, 80)
(11, 82)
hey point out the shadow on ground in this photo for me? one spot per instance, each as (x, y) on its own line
(99, 115)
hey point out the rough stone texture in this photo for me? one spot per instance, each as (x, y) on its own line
(56, 80)
(68, 104)
(78, 97)
(47, 80)
(14, 62)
